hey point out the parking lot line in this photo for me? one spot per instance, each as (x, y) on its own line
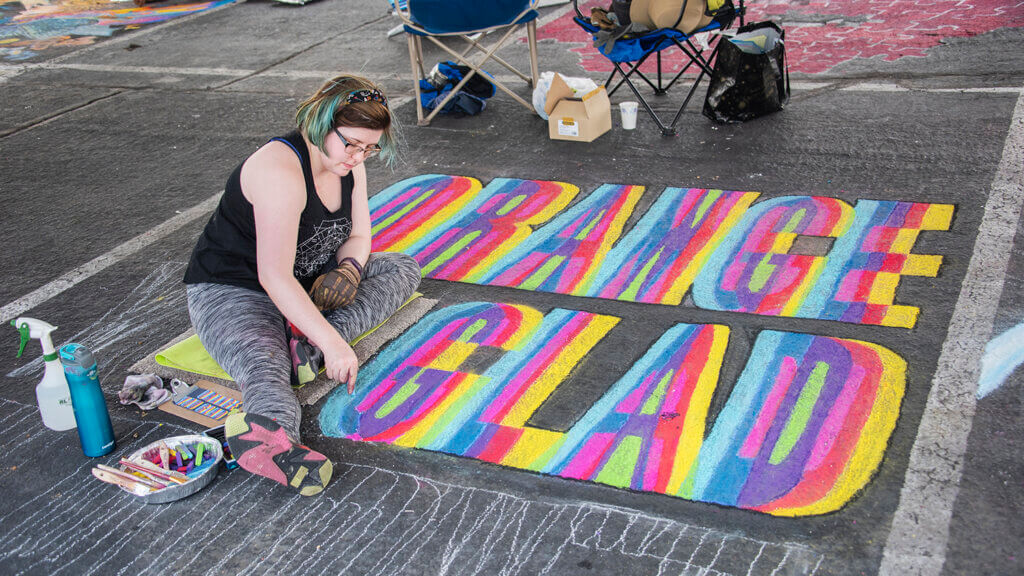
(96, 265)
(920, 528)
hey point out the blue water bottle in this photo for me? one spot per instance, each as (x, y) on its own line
(94, 429)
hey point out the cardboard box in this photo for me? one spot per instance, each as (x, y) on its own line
(579, 119)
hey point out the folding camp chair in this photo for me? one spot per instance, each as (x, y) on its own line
(631, 51)
(468, 19)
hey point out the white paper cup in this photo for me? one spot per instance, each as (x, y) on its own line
(628, 111)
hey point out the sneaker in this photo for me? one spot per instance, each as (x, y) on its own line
(260, 445)
(306, 360)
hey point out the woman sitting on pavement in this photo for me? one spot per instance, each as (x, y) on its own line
(282, 277)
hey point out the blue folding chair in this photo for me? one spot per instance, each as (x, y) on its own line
(469, 20)
(631, 51)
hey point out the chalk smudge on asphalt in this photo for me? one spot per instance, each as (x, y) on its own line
(1002, 356)
(156, 302)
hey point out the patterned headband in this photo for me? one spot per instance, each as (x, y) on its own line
(367, 95)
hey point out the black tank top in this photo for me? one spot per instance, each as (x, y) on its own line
(226, 250)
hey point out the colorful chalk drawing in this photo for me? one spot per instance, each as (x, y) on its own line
(825, 33)
(803, 430)
(735, 254)
(805, 427)
(422, 395)
(657, 262)
(753, 272)
(480, 225)
(29, 27)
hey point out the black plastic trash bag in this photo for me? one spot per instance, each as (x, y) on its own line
(751, 76)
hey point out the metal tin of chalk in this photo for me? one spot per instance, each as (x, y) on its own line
(178, 491)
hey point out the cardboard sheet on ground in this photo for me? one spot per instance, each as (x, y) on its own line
(208, 399)
(190, 355)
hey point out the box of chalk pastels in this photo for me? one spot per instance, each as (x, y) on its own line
(217, 432)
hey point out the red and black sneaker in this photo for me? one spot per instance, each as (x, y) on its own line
(306, 358)
(260, 445)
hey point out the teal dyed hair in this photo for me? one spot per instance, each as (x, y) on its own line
(328, 108)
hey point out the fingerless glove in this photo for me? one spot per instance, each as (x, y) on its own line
(338, 287)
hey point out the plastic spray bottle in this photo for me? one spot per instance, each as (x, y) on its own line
(52, 392)
(94, 429)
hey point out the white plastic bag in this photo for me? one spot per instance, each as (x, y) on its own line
(579, 86)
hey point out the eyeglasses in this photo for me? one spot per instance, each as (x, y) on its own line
(351, 149)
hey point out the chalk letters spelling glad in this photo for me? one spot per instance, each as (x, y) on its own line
(802, 431)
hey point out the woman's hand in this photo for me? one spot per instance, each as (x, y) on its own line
(340, 363)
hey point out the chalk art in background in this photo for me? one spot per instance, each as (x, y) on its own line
(30, 27)
(370, 520)
(803, 431)
(737, 255)
(1003, 354)
(825, 33)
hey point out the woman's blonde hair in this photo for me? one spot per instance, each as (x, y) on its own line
(347, 101)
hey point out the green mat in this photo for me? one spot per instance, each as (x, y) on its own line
(190, 356)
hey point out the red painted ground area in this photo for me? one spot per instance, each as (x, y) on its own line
(821, 34)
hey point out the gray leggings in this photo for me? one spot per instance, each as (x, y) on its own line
(245, 333)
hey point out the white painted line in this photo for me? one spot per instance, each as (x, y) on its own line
(920, 528)
(808, 85)
(230, 72)
(550, 17)
(890, 87)
(319, 74)
(323, 75)
(100, 263)
(549, 3)
(985, 90)
(146, 69)
(8, 72)
(397, 101)
(542, 20)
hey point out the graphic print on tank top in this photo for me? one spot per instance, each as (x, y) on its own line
(328, 236)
